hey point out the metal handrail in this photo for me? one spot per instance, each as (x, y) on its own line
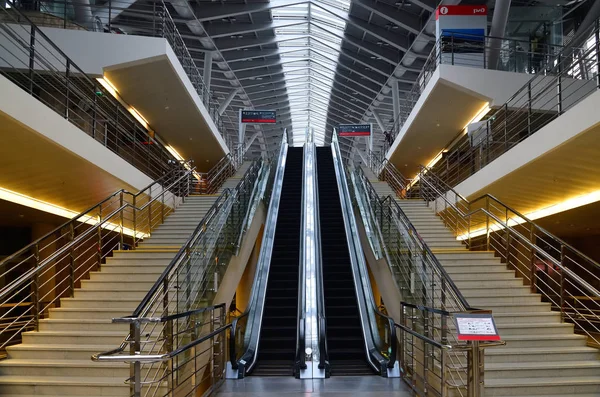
(511, 235)
(38, 66)
(248, 324)
(174, 375)
(368, 309)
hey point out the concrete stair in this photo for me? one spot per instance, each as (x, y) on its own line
(542, 356)
(56, 360)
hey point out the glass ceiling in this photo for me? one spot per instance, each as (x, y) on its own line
(309, 61)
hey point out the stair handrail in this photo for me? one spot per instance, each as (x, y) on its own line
(247, 326)
(517, 233)
(368, 310)
(223, 202)
(182, 285)
(111, 217)
(413, 234)
(198, 326)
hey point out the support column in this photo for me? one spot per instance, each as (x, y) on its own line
(208, 58)
(223, 107)
(499, 21)
(395, 103)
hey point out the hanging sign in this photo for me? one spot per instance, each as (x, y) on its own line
(355, 129)
(476, 327)
(258, 116)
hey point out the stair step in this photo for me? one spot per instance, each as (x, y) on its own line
(543, 386)
(69, 313)
(56, 351)
(108, 276)
(83, 368)
(541, 370)
(82, 325)
(113, 338)
(511, 318)
(109, 302)
(123, 285)
(543, 340)
(137, 255)
(523, 307)
(465, 255)
(540, 354)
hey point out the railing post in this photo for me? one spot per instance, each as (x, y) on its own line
(150, 214)
(99, 253)
(162, 209)
(31, 58)
(121, 220)
(135, 370)
(134, 210)
(452, 48)
(109, 15)
(597, 34)
(94, 116)
(487, 223)
(562, 282)
(67, 89)
(532, 258)
(71, 261)
(559, 84)
(529, 108)
(36, 288)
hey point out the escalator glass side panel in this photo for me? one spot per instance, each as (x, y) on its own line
(345, 338)
(277, 346)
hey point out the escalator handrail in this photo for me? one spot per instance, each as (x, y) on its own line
(259, 285)
(359, 269)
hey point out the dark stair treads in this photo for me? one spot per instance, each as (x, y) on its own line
(277, 347)
(347, 355)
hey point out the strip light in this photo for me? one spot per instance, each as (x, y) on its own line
(575, 202)
(27, 201)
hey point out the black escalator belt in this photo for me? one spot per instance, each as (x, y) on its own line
(277, 347)
(345, 340)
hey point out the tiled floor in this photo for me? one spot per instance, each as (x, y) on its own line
(370, 386)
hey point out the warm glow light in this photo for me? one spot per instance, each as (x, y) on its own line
(138, 117)
(108, 86)
(176, 154)
(480, 114)
(40, 205)
(566, 205)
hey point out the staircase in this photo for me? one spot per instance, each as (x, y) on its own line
(55, 361)
(542, 356)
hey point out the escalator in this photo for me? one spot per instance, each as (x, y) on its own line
(277, 346)
(345, 338)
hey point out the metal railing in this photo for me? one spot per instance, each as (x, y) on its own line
(33, 62)
(245, 331)
(192, 364)
(189, 282)
(153, 19)
(428, 359)
(53, 266)
(378, 328)
(568, 65)
(564, 276)
(428, 338)
(569, 78)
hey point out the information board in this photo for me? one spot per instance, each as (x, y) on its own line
(258, 116)
(355, 129)
(476, 327)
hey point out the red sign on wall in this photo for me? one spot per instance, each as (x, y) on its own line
(460, 10)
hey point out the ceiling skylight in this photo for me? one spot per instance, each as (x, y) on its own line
(309, 61)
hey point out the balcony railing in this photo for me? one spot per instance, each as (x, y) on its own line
(32, 61)
(153, 19)
(461, 49)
